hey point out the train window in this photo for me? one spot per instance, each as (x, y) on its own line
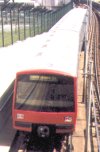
(45, 93)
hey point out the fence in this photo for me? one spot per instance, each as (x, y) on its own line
(19, 21)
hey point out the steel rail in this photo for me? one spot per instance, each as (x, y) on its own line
(89, 80)
(95, 118)
(96, 62)
(26, 143)
(93, 95)
(96, 96)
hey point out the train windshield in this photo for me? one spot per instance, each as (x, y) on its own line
(45, 93)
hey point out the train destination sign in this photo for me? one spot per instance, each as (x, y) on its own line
(43, 78)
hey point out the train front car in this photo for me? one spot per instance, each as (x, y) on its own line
(44, 102)
(45, 97)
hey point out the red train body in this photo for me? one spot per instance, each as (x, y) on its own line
(45, 97)
(54, 111)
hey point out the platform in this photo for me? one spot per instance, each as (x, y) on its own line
(79, 134)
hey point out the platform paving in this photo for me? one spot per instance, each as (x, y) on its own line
(79, 134)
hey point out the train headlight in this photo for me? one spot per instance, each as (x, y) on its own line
(20, 116)
(68, 119)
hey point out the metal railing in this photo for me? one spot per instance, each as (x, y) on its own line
(19, 21)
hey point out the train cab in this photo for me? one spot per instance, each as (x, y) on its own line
(44, 98)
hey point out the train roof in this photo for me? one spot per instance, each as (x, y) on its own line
(56, 50)
(60, 51)
(13, 58)
(71, 21)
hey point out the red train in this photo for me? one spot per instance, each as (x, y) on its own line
(45, 95)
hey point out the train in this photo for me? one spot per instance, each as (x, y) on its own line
(45, 93)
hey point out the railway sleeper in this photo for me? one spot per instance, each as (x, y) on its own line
(67, 145)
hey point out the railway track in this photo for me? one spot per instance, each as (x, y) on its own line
(28, 142)
(96, 101)
(93, 88)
